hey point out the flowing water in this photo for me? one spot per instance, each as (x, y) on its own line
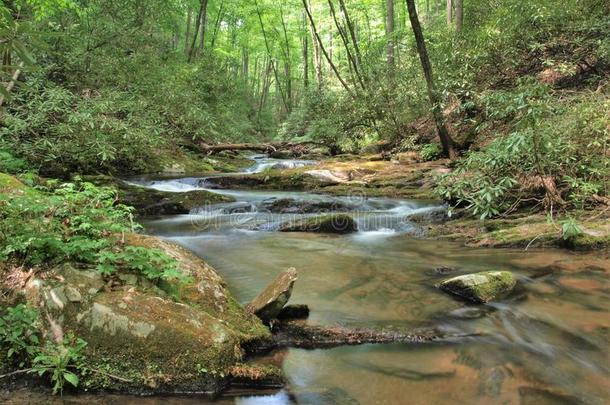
(547, 343)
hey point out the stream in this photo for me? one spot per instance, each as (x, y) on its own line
(545, 344)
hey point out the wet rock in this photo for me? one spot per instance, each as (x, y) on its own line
(480, 287)
(283, 154)
(436, 216)
(328, 177)
(292, 206)
(150, 202)
(299, 311)
(268, 304)
(335, 223)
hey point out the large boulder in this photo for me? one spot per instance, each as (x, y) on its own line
(170, 337)
(268, 304)
(480, 287)
(334, 223)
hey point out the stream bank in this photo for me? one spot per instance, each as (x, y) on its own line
(383, 278)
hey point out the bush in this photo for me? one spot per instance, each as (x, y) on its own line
(77, 222)
(430, 151)
(555, 157)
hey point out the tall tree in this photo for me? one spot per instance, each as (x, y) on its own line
(203, 6)
(324, 52)
(389, 31)
(271, 59)
(189, 17)
(305, 52)
(459, 15)
(449, 12)
(443, 134)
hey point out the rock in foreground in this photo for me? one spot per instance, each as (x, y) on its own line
(339, 223)
(154, 337)
(480, 287)
(268, 304)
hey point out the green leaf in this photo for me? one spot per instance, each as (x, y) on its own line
(71, 378)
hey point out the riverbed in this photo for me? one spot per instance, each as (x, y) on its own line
(545, 343)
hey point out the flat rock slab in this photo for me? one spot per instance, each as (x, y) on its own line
(480, 287)
(268, 304)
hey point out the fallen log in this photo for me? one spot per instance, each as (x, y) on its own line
(299, 334)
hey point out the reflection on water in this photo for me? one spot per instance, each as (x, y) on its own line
(545, 344)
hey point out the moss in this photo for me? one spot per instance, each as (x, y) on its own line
(480, 287)
(154, 202)
(10, 185)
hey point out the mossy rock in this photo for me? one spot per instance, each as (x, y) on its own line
(10, 185)
(150, 202)
(336, 223)
(135, 331)
(480, 287)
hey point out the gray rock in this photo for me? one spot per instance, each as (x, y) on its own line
(73, 294)
(334, 223)
(480, 287)
(268, 304)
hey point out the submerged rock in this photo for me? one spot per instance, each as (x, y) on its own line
(268, 304)
(336, 223)
(480, 287)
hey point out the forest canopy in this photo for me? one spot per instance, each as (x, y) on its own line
(106, 86)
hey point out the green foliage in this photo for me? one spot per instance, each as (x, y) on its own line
(20, 336)
(570, 229)
(430, 151)
(19, 333)
(11, 164)
(57, 361)
(556, 152)
(80, 223)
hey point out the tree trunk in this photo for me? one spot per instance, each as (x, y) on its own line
(217, 25)
(189, 17)
(389, 29)
(305, 53)
(287, 65)
(352, 32)
(324, 52)
(273, 65)
(459, 15)
(204, 23)
(449, 12)
(317, 57)
(353, 64)
(200, 16)
(446, 141)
